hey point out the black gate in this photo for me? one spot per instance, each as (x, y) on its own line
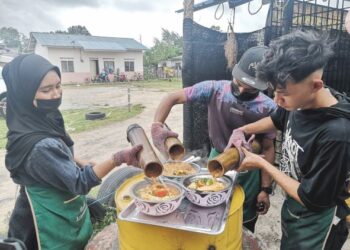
(204, 58)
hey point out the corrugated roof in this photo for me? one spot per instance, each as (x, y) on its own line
(87, 42)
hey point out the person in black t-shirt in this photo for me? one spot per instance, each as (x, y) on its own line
(315, 120)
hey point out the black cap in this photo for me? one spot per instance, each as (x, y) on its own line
(244, 70)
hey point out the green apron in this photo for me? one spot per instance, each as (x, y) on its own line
(250, 181)
(62, 220)
(303, 229)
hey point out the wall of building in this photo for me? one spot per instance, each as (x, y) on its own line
(81, 59)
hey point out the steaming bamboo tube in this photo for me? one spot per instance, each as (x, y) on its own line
(149, 161)
(228, 160)
(175, 148)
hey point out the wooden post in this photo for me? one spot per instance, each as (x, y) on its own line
(188, 9)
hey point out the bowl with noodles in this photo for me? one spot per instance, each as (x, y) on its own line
(157, 199)
(205, 191)
(178, 170)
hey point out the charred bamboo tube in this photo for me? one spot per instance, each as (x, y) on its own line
(149, 161)
(175, 148)
(228, 160)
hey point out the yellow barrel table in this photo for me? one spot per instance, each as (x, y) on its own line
(148, 237)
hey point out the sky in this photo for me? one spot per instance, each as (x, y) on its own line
(138, 19)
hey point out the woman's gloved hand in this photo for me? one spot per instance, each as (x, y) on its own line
(159, 134)
(128, 156)
(237, 139)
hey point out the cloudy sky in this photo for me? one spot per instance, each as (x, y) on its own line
(138, 19)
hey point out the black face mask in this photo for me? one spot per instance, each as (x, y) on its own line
(245, 96)
(47, 106)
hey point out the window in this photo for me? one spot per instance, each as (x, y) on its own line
(67, 66)
(109, 66)
(129, 66)
(177, 65)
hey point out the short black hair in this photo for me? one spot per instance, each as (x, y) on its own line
(295, 56)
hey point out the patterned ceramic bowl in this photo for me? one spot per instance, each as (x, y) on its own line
(179, 178)
(207, 198)
(157, 207)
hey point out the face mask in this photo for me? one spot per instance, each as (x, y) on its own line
(245, 96)
(48, 105)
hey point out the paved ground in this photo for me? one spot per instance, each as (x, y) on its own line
(99, 144)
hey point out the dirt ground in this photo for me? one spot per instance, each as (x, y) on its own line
(99, 144)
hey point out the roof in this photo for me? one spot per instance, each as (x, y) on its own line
(92, 43)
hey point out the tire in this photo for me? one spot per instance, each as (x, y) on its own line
(3, 105)
(97, 211)
(112, 183)
(95, 115)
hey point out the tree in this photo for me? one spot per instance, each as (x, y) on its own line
(10, 36)
(78, 29)
(75, 29)
(169, 46)
(215, 27)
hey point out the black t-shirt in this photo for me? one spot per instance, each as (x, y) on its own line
(316, 152)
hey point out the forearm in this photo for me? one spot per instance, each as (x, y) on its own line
(166, 105)
(288, 184)
(269, 153)
(262, 126)
(102, 169)
(163, 110)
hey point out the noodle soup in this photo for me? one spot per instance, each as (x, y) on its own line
(207, 185)
(158, 192)
(179, 169)
(156, 199)
(205, 191)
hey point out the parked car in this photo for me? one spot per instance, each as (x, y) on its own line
(2, 95)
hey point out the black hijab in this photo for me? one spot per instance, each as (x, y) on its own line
(27, 125)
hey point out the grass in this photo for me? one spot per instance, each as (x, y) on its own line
(163, 85)
(75, 119)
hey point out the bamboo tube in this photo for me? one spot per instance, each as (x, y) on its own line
(149, 161)
(175, 149)
(228, 160)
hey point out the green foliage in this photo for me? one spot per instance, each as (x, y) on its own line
(75, 122)
(169, 46)
(215, 27)
(78, 29)
(10, 36)
(110, 217)
(75, 29)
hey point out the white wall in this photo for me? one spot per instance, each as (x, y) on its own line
(82, 59)
(42, 51)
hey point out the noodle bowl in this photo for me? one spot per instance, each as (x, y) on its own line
(156, 199)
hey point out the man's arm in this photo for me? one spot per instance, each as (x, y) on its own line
(167, 103)
(262, 126)
(269, 154)
(288, 184)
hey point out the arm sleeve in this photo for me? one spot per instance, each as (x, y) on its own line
(51, 164)
(279, 117)
(200, 92)
(325, 181)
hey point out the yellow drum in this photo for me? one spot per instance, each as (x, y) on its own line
(348, 217)
(148, 237)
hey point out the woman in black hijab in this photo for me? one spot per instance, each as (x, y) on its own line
(51, 210)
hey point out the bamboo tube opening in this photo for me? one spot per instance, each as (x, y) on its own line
(153, 169)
